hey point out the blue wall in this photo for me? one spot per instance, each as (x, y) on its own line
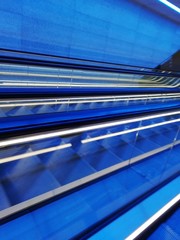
(109, 30)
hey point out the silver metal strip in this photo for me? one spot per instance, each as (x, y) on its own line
(152, 219)
(59, 133)
(19, 103)
(58, 191)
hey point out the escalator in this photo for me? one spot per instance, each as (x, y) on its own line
(72, 162)
(169, 228)
(35, 113)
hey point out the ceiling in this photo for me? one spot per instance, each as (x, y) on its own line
(161, 8)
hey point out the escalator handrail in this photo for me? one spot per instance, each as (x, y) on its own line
(47, 60)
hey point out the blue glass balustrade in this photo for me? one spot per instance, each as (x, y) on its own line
(88, 171)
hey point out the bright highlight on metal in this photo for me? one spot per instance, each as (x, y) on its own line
(74, 84)
(59, 101)
(170, 5)
(127, 131)
(81, 129)
(157, 215)
(35, 153)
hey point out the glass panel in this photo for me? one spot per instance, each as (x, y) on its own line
(33, 76)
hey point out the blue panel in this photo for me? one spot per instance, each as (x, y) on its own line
(84, 207)
(108, 30)
(123, 226)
